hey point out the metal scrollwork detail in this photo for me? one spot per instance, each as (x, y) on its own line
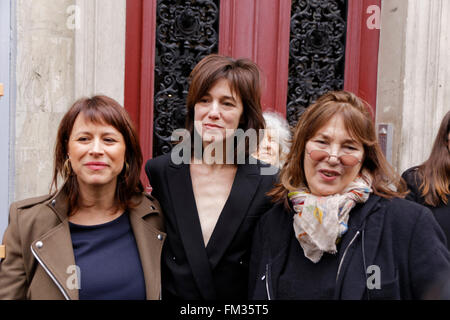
(186, 31)
(316, 52)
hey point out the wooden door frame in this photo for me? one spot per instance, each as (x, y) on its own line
(139, 82)
(361, 52)
(244, 35)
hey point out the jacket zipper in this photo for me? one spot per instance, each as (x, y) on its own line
(267, 282)
(50, 274)
(345, 252)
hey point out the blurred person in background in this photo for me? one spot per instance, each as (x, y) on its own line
(429, 183)
(275, 145)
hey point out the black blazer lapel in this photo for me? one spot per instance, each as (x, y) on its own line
(185, 210)
(233, 213)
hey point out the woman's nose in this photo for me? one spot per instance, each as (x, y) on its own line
(214, 112)
(333, 159)
(265, 145)
(96, 147)
(334, 155)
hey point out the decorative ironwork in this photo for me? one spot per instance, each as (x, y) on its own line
(316, 53)
(187, 31)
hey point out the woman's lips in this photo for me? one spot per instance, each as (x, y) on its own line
(329, 175)
(212, 126)
(96, 165)
(267, 154)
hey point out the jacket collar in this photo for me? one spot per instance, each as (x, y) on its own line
(203, 260)
(371, 236)
(53, 253)
(59, 203)
(279, 245)
(149, 240)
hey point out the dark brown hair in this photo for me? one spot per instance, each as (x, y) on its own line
(435, 172)
(100, 110)
(358, 122)
(244, 80)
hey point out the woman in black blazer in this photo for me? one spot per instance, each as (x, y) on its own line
(213, 199)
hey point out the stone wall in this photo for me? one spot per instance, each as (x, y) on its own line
(413, 72)
(45, 88)
(65, 49)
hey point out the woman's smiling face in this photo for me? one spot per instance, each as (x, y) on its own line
(329, 176)
(96, 152)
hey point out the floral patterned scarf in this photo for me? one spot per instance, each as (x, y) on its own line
(320, 222)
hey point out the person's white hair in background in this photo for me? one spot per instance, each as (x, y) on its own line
(276, 143)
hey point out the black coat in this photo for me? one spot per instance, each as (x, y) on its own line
(400, 237)
(441, 212)
(219, 271)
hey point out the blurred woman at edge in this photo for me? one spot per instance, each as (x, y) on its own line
(429, 183)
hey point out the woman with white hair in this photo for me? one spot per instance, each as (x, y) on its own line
(276, 143)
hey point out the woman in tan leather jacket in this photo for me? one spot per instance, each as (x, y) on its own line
(98, 236)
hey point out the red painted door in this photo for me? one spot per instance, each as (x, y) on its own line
(361, 58)
(258, 30)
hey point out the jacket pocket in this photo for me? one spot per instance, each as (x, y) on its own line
(388, 289)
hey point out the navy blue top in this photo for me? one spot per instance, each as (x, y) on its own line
(108, 258)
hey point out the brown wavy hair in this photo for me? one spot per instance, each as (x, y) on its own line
(100, 110)
(435, 172)
(358, 122)
(244, 80)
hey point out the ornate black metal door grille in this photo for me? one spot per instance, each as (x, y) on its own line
(186, 31)
(316, 52)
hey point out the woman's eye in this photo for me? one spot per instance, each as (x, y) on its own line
(203, 100)
(83, 139)
(109, 140)
(229, 104)
(320, 141)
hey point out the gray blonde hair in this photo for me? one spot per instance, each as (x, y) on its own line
(275, 121)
